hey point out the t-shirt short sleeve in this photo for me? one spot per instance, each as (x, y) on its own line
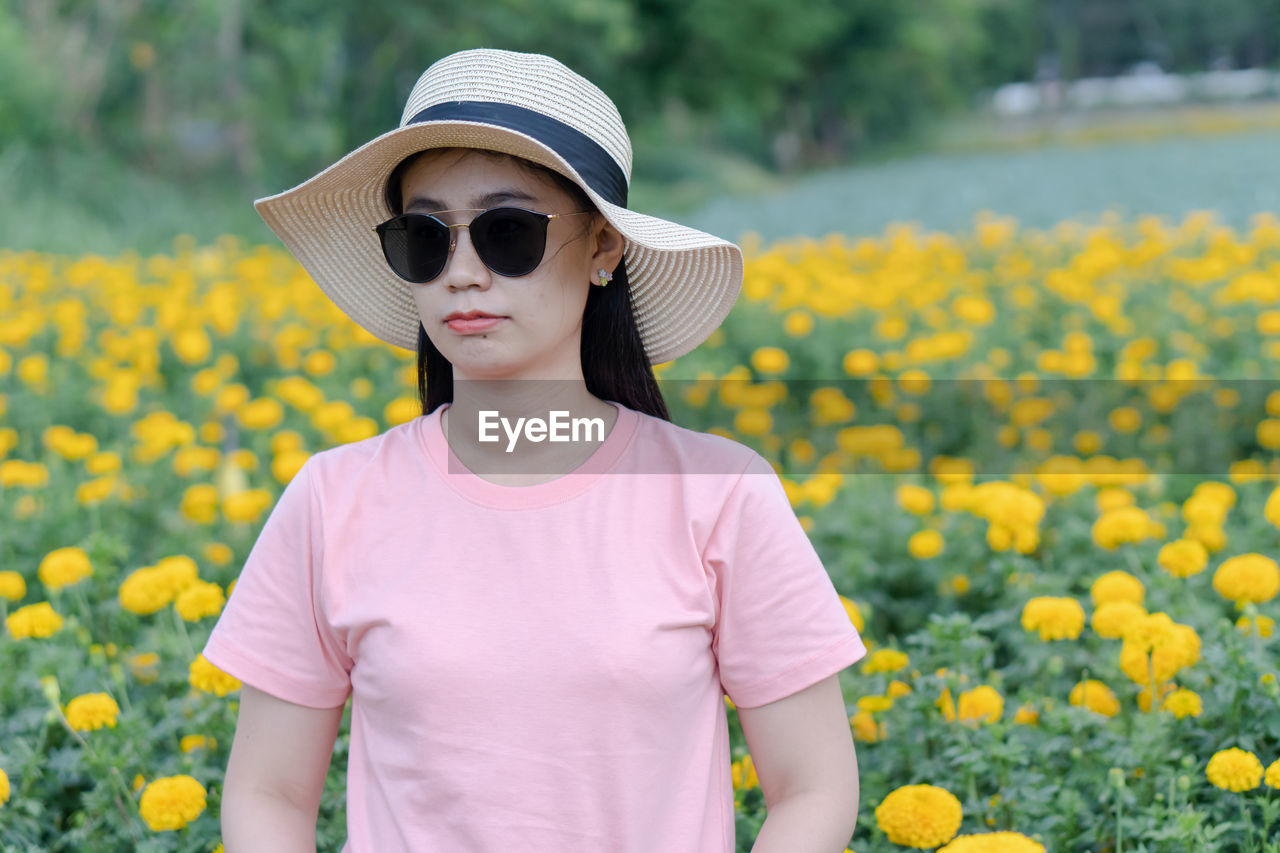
(272, 633)
(781, 626)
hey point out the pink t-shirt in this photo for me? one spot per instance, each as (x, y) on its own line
(537, 668)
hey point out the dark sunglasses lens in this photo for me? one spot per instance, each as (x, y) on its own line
(510, 241)
(416, 247)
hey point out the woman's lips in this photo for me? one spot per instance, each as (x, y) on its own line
(474, 324)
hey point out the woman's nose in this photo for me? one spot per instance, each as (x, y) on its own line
(464, 267)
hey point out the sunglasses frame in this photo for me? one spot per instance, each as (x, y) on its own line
(545, 218)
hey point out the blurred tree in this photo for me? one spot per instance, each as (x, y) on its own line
(268, 93)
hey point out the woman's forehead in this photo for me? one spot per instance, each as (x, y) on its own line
(468, 177)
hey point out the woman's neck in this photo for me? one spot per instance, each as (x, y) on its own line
(523, 430)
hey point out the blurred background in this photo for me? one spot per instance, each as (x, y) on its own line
(1095, 183)
(125, 122)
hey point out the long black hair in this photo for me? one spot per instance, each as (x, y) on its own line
(614, 363)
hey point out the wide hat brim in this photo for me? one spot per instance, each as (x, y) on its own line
(683, 281)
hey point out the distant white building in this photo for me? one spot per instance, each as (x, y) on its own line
(1145, 85)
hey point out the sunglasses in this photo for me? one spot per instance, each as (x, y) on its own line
(509, 240)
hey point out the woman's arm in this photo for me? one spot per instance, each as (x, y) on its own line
(802, 749)
(276, 772)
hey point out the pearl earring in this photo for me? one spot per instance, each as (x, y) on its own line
(605, 278)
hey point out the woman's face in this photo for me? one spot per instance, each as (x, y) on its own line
(539, 333)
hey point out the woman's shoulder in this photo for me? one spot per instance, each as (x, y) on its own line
(344, 460)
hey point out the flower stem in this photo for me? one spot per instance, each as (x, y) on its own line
(186, 638)
(1248, 821)
(1119, 824)
(114, 772)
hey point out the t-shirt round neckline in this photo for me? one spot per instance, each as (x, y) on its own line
(482, 491)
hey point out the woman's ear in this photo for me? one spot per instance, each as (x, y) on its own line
(608, 246)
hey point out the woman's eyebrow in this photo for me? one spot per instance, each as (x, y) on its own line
(484, 201)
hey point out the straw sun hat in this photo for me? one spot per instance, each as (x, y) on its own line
(683, 281)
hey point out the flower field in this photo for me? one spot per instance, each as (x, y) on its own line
(1041, 466)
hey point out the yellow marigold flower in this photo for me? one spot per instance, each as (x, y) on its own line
(4, 787)
(1272, 508)
(320, 362)
(211, 432)
(1235, 769)
(855, 615)
(1117, 586)
(1095, 696)
(1027, 716)
(1054, 618)
(982, 704)
(402, 410)
(286, 439)
(286, 465)
(1125, 419)
(172, 802)
(218, 553)
(12, 586)
(262, 413)
(34, 620)
(914, 381)
(915, 499)
(1272, 777)
(993, 842)
(200, 503)
(144, 666)
(243, 459)
(770, 360)
(873, 704)
(16, 472)
(744, 774)
(1247, 577)
(944, 703)
(860, 362)
(1247, 471)
(199, 600)
(1124, 524)
(1204, 509)
(208, 678)
(1148, 653)
(92, 711)
(1182, 703)
(96, 490)
(921, 816)
(230, 398)
(188, 460)
(191, 344)
(1114, 618)
(1183, 558)
(1113, 497)
(753, 420)
(1214, 491)
(246, 506)
(898, 689)
(865, 727)
(63, 567)
(797, 324)
(1211, 536)
(924, 544)
(145, 591)
(190, 742)
(1263, 626)
(885, 660)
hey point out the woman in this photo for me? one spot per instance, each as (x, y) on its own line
(536, 635)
